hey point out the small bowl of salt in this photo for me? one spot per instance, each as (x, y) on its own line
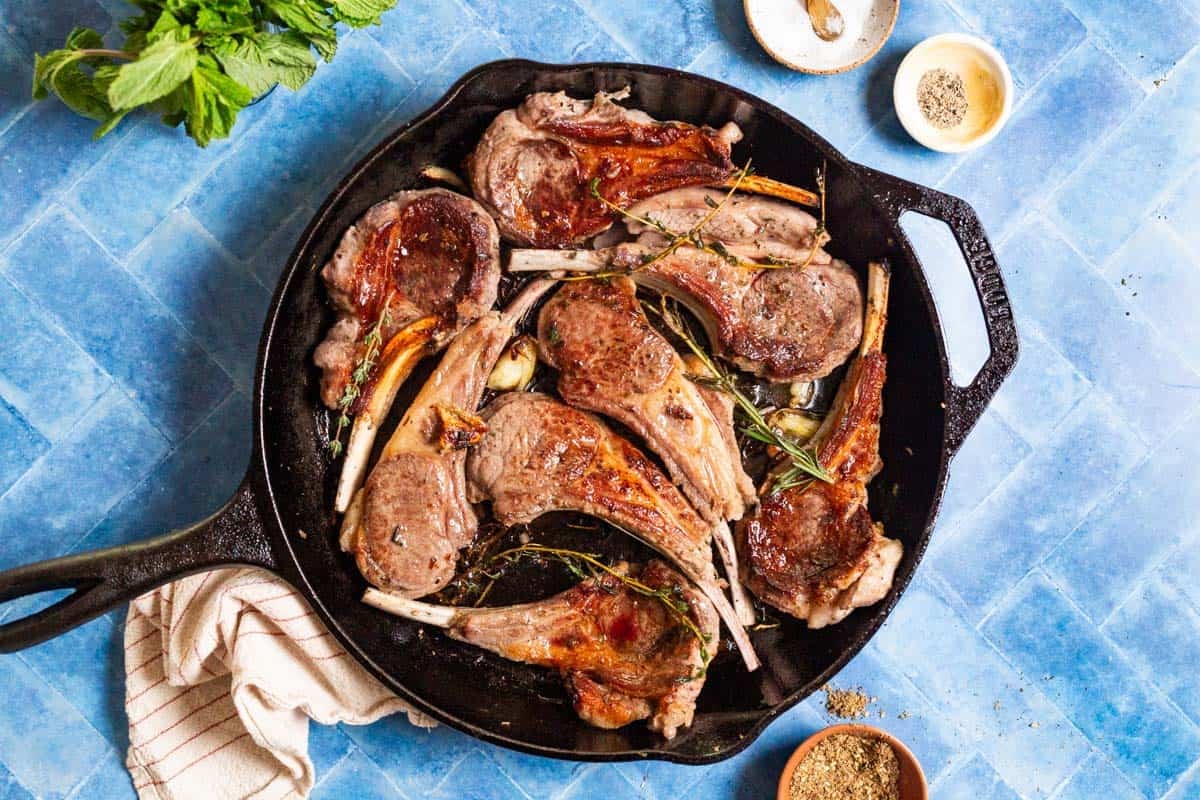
(953, 92)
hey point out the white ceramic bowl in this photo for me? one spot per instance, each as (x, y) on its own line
(988, 82)
(785, 31)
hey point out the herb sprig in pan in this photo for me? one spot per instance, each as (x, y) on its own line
(198, 62)
(588, 565)
(693, 236)
(804, 465)
(372, 344)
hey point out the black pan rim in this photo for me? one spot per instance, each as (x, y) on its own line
(289, 562)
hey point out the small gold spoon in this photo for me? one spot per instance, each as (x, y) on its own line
(826, 19)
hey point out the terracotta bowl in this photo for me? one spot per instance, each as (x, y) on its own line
(912, 779)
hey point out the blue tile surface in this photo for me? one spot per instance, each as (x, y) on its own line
(1042, 390)
(87, 667)
(153, 358)
(328, 745)
(285, 159)
(476, 777)
(1084, 317)
(974, 780)
(1135, 33)
(71, 488)
(1063, 118)
(48, 760)
(1153, 274)
(218, 301)
(1096, 778)
(1126, 718)
(1100, 563)
(441, 23)
(41, 27)
(992, 704)
(46, 377)
(1043, 500)
(357, 776)
(56, 148)
(1007, 25)
(16, 73)
(1182, 209)
(1057, 614)
(1150, 151)
(22, 446)
(11, 788)
(122, 197)
(669, 32)
(1160, 632)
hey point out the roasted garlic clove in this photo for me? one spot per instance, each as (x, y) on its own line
(514, 370)
(801, 393)
(797, 425)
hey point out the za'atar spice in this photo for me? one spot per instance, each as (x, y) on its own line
(942, 98)
(847, 767)
(846, 703)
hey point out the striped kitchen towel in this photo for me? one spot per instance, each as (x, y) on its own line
(223, 672)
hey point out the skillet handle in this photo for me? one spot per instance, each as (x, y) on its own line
(103, 579)
(964, 404)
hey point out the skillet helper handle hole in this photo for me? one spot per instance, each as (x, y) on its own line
(104, 579)
(965, 404)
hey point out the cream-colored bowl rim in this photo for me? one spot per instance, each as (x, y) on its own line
(887, 34)
(906, 107)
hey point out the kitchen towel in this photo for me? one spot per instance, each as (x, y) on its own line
(223, 671)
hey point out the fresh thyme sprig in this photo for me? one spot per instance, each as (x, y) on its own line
(588, 565)
(372, 344)
(820, 235)
(804, 463)
(694, 236)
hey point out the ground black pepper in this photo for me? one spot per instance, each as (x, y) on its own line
(942, 98)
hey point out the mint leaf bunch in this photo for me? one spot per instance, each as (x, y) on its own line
(197, 62)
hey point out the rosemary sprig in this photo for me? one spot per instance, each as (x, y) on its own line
(804, 463)
(372, 344)
(588, 565)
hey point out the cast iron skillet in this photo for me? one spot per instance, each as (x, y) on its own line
(288, 488)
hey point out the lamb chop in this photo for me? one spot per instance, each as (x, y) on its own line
(534, 167)
(749, 226)
(540, 455)
(413, 515)
(623, 655)
(813, 551)
(611, 360)
(412, 272)
(783, 323)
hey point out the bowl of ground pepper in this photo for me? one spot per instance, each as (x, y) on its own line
(852, 762)
(953, 92)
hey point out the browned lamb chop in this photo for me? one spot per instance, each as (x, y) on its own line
(611, 360)
(786, 323)
(413, 515)
(813, 550)
(749, 226)
(421, 266)
(623, 655)
(534, 167)
(540, 455)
